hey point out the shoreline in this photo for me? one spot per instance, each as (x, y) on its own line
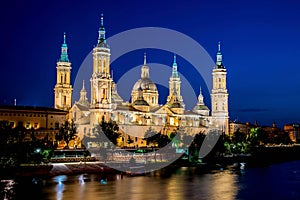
(261, 156)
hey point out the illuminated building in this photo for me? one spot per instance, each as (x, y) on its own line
(63, 87)
(293, 130)
(143, 112)
(41, 121)
(219, 94)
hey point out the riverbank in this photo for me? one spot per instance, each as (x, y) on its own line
(260, 156)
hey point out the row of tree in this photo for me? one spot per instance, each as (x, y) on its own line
(14, 150)
(242, 142)
(20, 145)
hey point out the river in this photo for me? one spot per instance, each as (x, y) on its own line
(277, 181)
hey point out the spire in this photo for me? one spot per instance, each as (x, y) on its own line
(64, 51)
(83, 99)
(174, 62)
(83, 89)
(145, 59)
(145, 68)
(200, 97)
(174, 69)
(219, 57)
(101, 37)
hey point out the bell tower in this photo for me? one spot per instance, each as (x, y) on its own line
(63, 88)
(219, 95)
(174, 85)
(101, 81)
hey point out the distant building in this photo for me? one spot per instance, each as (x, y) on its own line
(293, 131)
(273, 131)
(235, 126)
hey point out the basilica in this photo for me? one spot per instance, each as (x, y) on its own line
(143, 112)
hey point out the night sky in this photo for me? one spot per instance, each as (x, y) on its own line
(260, 46)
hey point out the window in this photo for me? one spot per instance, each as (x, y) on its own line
(20, 124)
(56, 125)
(27, 126)
(12, 124)
(172, 121)
(36, 125)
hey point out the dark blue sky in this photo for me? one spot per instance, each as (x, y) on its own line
(260, 45)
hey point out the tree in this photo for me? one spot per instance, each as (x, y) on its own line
(151, 137)
(257, 136)
(129, 140)
(67, 132)
(195, 146)
(104, 133)
(239, 143)
(239, 137)
(111, 130)
(162, 140)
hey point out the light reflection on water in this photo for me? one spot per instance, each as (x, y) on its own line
(174, 184)
(183, 183)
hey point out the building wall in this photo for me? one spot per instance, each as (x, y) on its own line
(40, 121)
(31, 117)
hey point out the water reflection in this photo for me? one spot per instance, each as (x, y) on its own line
(169, 183)
(7, 192)
(60, 187)
(173, 184)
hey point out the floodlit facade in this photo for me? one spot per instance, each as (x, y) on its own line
(143, 112)
(42, 121)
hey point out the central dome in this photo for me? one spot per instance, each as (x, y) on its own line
(145, 88)
(144, 84)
